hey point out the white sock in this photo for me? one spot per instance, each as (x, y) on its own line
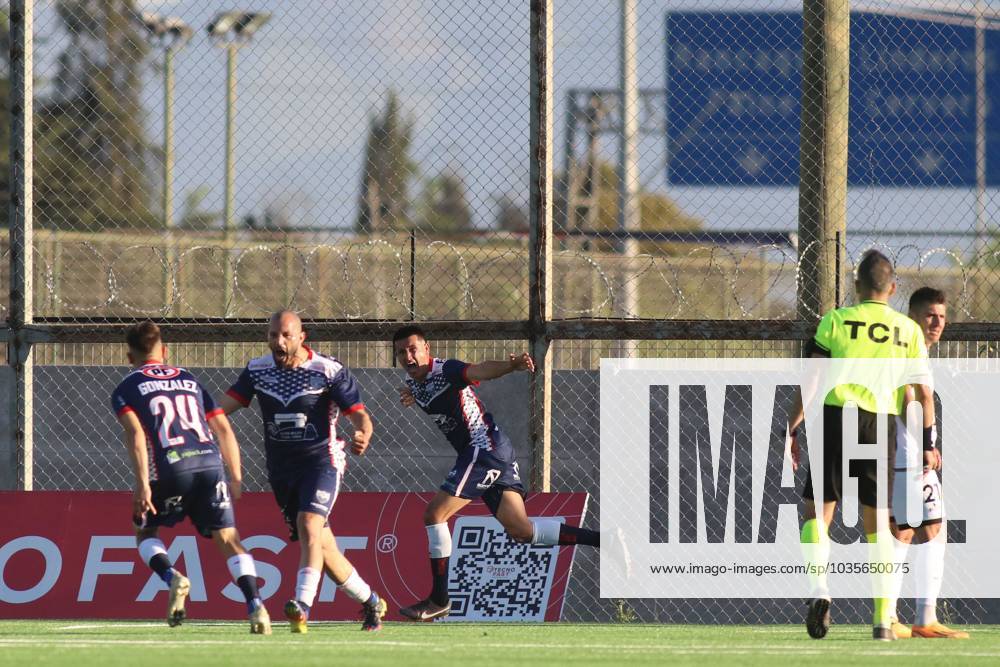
(241, 565)
(150, 547)
(306, 585)
(899, 550)
(439, 540)
(356, 588)
(545, 532)
(930, 573)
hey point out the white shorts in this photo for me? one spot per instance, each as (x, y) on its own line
(931, 502)
(909, 472)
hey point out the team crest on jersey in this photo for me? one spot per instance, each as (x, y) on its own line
(161, 372)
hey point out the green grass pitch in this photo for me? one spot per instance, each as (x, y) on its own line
(147, 644)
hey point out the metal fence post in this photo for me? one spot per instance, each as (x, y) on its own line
(16, 441)
(540, 244)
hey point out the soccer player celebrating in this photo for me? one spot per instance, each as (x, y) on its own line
(301, 393)
(928, 308)
(486, 466)
(869, 329)
(155, 398)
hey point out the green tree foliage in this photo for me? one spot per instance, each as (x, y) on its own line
(510, 216)
(386, 172)
(443, 206)
(91, 154)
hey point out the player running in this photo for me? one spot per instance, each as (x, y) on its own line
(301, 394)
(486, 467)
(870, 329)
(169, 417)
(928, 308)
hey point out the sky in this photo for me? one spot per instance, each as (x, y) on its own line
(313, 76)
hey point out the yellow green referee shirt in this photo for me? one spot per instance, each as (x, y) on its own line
(868, 330)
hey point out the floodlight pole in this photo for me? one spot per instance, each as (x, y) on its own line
(168, 34)
(233, 29)
(168, 173)
(168, 170)
(228, 220)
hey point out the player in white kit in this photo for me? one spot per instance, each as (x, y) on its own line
(928, 307)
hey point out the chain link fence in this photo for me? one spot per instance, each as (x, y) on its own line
(370, 163)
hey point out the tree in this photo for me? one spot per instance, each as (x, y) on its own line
(443, 206)
(91, 169)
(510, 216)
(386, 171)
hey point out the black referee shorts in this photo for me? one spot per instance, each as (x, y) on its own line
(865, 470)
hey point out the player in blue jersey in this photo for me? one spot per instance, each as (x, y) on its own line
(486, 466)
(169, 420)
(301, 394)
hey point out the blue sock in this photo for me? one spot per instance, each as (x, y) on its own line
(373, 600)
(160, 564)
(253, 605)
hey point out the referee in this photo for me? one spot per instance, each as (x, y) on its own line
(868, 330)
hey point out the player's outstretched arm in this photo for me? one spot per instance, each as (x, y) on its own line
(135, 444)
(230, 450)
(489, 370)
(363, 428)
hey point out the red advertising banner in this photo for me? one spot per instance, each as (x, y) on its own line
(73, 555)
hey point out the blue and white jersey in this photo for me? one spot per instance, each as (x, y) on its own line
(299, 408)
(447, 395)
(174, 410)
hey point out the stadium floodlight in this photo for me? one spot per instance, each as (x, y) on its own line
(170, 30)
(231, 30)
(169, 34)
(237, 25)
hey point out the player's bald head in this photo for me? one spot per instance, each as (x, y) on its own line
(287, 320)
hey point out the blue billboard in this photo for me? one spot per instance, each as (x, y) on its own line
(734, 101)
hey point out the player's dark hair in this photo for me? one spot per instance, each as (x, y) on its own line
(143, 337)
(926, 296)
(403, 333)
(875, 272)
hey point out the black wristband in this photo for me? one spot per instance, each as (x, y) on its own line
(930, 435)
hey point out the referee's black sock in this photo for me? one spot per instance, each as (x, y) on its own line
(439, 589)
(570, 535)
